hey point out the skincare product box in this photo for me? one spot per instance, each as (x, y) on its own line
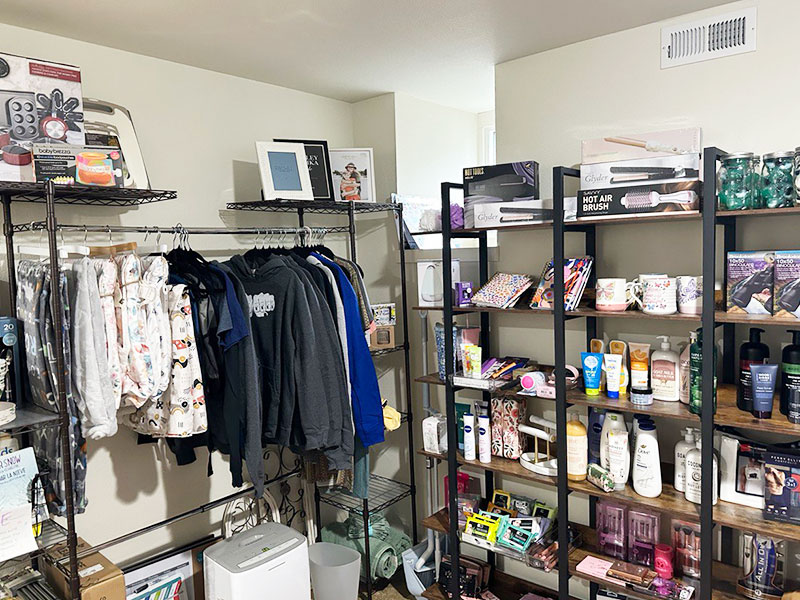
(682, 196)
(787, 283)
(640, 171)
(750, 282)
(385, 314)
(463, 293)
(782, 489)
(741, 471)
(434, 434)
(514, 186)
(430, 286)
(631, 146)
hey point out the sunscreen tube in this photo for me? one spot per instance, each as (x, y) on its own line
(613, 369)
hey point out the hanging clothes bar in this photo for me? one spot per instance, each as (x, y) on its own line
(179, 229)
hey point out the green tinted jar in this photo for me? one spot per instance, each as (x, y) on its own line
(797, 176)
(777, 180)
(737, 182)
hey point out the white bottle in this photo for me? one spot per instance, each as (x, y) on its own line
(619, 458)
(681, 449)
(665, 372)
(469, 436)
(613, 422)
(647, 462)
(577, 449)
(484, 440)
(694, 475)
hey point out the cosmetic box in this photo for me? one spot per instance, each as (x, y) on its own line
(612, 522)
(434, 434)
(686, 541)
(782, 487)
(787, 283)
(741, 466)
(680, 197)
(463, 293)
(750, 282)
(385, 314)
(640, 171)
(643, 531)
(630, 146)
(430, 281)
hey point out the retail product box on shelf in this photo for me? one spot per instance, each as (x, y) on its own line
(680, 197)
(787, 283)
(382, 338)
(640, 171)
(506, 194)
(100, 578)
(782, 487)
(750, 282)
(83, 165)
(385, 314)
(631, 146)
(40, 102)
(430, 281)
(741, 467)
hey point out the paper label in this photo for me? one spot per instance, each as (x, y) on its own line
(16, 532)
(90, 570)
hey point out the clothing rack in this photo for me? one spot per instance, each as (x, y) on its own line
(179, 229)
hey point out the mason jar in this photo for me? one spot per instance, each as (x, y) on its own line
(777, 180)
(737, 181)
(797, 176)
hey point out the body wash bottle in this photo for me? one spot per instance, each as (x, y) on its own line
(612, 422)
(619, 458)
(665, 372)
(681, 450)
(577, 449)
(694, 475)
(647, 462)
(753, 352)
(685, 370)
(696, 374)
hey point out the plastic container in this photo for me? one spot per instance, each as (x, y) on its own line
(737, 182)
(665, 372)
(754, 352)
(777, 187)
(790, 376)
(418, 581)
(335, 571)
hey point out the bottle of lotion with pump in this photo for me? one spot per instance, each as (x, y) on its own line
(752, 352)
(790, 375)
(681, 449)
(665, 372)
(694, 475)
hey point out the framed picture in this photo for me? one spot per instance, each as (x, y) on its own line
(353, 175)
(319, 167)
(284, 171)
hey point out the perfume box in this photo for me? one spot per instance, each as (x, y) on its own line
(640, 171)
(634, 201)
(750, 282)
(787, 283)
(630, 146)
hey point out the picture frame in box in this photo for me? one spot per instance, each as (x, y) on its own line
(284, 171)
(353, 172)
(382, 338)
(318, 161)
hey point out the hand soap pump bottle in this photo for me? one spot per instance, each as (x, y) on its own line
(682, 448)
(754, 352)
(696, 374)
(790, 373)
(665, 372)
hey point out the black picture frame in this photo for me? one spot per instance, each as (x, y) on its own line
(319, 167)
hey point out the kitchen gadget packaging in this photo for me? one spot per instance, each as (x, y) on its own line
(782, 487)
(750, 282)
(681, 196)
(430, 281)
(741, 465)
(787, 283)
(506, 185)
(66, 164)
(631, 146)
(640, 171)
(100, 579)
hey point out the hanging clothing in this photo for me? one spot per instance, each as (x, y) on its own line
(353, 272)
(108, 286)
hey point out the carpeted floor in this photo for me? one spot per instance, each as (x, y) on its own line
(396, 590)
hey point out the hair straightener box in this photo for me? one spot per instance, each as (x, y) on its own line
(640, 171)
(511, 186)
(679, 196)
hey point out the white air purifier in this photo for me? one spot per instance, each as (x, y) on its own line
(266, 562)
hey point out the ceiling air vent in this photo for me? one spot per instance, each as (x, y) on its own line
(712, 37)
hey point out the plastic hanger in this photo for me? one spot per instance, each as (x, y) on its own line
(79, 249)
(157, 248)
(41, 250)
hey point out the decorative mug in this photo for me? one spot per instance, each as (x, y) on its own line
(637, 289)
(659, 296)
(690, 294)
(614, 294)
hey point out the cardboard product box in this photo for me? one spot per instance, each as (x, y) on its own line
(503, 185)
(782, 489)
(385, 314)
(100, 578)
(640, 171)
(787, 283)
(630, 146)
(382, 338)
(430, 281)
(83, 165)
(634, 201)
(507, 213)
(750, 282)
(741, 468)
(40, 102)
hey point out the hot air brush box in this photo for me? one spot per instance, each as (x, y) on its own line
(677, 197)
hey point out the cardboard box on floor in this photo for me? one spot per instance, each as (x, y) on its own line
(100, 578)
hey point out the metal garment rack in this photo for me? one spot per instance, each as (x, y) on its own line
(717, 578)
(383, 492)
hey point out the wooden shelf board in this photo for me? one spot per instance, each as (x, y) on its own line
(759, 212)
(502, 585)
(499, 465)
(430, 378)
(665, 217)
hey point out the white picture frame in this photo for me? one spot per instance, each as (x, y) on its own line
(284, 171)
(360, 187)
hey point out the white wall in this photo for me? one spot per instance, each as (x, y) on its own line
(374, 127)
(197, 131)
(547, 103)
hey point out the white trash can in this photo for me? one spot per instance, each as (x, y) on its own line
(335, 571)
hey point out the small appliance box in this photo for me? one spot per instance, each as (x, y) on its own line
(631, 146)
(640, 171)
(506, 214)
(385, 314)
(66, 164)
(430, 281)
(100, 578)
(750, 282)
(40, 102)
(681, 196)
(510, 190)
(782, 489)
(787, 283)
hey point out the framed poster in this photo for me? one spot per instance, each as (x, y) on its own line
(284, 171)
(319, 167)
(353, 175)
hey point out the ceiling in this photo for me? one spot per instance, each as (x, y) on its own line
(439, 50)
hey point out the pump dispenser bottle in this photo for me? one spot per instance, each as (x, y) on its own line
(696, 374)
(665, 372)
(752, 352)
(790, 378)
(682, 448)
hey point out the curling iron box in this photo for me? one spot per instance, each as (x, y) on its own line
(633, 201)
(629, 146)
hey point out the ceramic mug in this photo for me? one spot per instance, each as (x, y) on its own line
(637, 289)
(614, 294)
(659, 296)
(690, 294)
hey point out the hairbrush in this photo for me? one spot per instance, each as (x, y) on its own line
(644, 200)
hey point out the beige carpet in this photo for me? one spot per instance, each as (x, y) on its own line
(396, 590)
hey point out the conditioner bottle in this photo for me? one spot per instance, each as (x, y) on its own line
(753, 352)
(790, 377)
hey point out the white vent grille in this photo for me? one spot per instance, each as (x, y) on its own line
(712, 37)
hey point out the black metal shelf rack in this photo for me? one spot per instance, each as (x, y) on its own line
(708, 320)
(383, 492)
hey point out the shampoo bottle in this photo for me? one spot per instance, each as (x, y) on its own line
(752, 352)
(696, 374)
(681, 450)
(577, 449)
(665, 372)
(647, 462)
(613, 422)
(685, 369)
(619, 458)
(694, 475)
(790, 376)
(596, 418)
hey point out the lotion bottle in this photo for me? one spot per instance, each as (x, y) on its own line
(647, 462)
(681, 450)
(613, 422)
(694, 475)
(665, 372)
(619, 458)
(577, 449)
(484, 440)
(469, 436)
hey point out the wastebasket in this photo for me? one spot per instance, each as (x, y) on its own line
(334, 571)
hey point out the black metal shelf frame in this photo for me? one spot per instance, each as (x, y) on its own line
(385, 497)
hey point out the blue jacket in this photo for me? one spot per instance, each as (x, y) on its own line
(364, 392)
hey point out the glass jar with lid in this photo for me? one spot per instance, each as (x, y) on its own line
(797, 176)
(737, 181)
(777, 180)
